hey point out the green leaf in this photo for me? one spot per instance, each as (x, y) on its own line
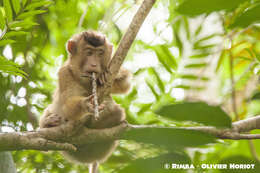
(198, 42)
(8, 10)
(15, 33)
(221, 59)
(165, 57)
(4, 61)
(256, 96)
(30, 14)
(10, 67)
(202, 47)
(16, 5)
(197, 65)
(197, 7)
(153, 72)
(144, 108)
(198, 112)
(169, 138)
(22, 24)
(202, 55)
(240, 160)
(2, 20)
(250, 16)
(38, 4)
(5, 42)
(151, 86)
(12, 70)
(189, 87)
(24, 2)
(156, 164)
(198, 30)
(132, 95)
(187, 27)
(177, 40)
(193, 77)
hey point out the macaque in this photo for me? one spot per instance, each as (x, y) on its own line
(89, 52)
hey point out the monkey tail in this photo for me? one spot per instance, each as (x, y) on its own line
(93, 167)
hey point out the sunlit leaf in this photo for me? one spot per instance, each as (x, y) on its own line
(151, 86)
(10, 67)
(37, 4)
(202, 55)
(132, 95)
(206, 38)
(165, 57)
(189, 87)
(8, 10)
(197, 65)
(198, 46)
(24, 2)
(169, 138)
(198, 112)
(250, 16)
(30, 14)
(197, 7)
(2, 20)
(16, 5)
(177, 39)
(5, 42)
(187, 27)
(153, 72)
(198, 30)
(23, 24)
(15, 33)
(221, 59)
(193, 77)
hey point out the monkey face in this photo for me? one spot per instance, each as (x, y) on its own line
(90, 53)
(91, 59)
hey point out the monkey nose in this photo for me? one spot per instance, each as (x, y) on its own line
(93, 65)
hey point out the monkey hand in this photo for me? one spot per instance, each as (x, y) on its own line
(102, 79)
(89, 105)
(52, 120)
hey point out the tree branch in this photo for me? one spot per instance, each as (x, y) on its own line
(125, 45)
(66, 136)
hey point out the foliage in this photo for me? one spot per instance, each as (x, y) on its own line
(203, 50)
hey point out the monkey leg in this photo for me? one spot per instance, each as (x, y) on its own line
(95, 152)
(50, 119)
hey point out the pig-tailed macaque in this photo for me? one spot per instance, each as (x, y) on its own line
(89, 52)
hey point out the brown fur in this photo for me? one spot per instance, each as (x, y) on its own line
(88, 52)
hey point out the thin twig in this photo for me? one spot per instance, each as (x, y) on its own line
(125, 45)
(252, 150)
(82, 17)
(232, 80)
(94, 91)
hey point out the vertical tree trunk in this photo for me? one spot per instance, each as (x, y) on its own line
(6, 162)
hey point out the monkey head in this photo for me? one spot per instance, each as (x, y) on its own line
(89, 52)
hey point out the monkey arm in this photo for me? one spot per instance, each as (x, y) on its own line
(122, 82)
(77, 106)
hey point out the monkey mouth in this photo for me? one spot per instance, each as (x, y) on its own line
(86, 75)
(89, 75)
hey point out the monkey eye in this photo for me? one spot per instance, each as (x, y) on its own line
(89, 52)
(100, 52)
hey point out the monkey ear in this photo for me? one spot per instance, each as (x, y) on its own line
(71, 47)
